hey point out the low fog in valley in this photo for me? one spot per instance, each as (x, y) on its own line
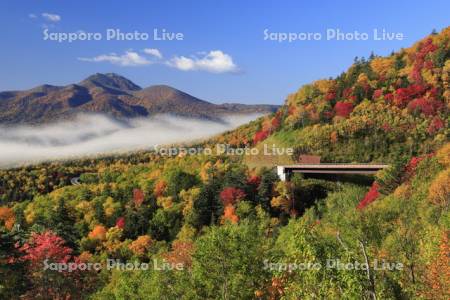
(99, 134)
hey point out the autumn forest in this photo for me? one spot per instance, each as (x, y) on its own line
(227, 227)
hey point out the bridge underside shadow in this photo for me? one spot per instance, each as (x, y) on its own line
(360, 179)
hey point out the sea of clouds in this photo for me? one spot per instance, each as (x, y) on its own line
(91, 135)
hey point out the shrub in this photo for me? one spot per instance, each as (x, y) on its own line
(439, 191)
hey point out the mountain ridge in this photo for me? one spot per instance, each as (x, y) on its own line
(113, 95)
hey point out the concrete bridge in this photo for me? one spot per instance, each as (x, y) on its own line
(285, 172)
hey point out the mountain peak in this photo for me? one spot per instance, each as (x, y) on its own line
(109, 94)
(162, 89)
(165, 93)
(44, 88)
(110, 80)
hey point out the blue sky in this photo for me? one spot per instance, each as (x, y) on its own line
(223, 56)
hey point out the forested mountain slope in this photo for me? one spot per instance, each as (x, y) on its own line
(380, 109)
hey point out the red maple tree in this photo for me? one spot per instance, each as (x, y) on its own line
(47, 245)
(120, 222)
(343, 109)
(254, 180)
(231, 195)
(371, 196)
(260, 136)
(428, 107)
(436, 125)
(377, 94)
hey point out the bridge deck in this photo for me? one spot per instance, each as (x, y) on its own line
(284, 172)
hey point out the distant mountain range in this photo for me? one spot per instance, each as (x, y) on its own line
(113, 95)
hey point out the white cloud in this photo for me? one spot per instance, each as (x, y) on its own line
(154, 52)
(129, 59)
(182, 63)
(51, 17)
(215, 62)
(32, 16)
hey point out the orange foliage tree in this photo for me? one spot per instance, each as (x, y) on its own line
(138, 197)
(229, 214)
(230, 196)
(8, 217)
(181, 253)
(141, 245)
(98, 233)
(160, 188)
(437, 277)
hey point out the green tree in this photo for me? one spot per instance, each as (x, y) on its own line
(228, 262)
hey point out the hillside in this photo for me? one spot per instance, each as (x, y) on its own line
(109, 94)
(380, 109)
